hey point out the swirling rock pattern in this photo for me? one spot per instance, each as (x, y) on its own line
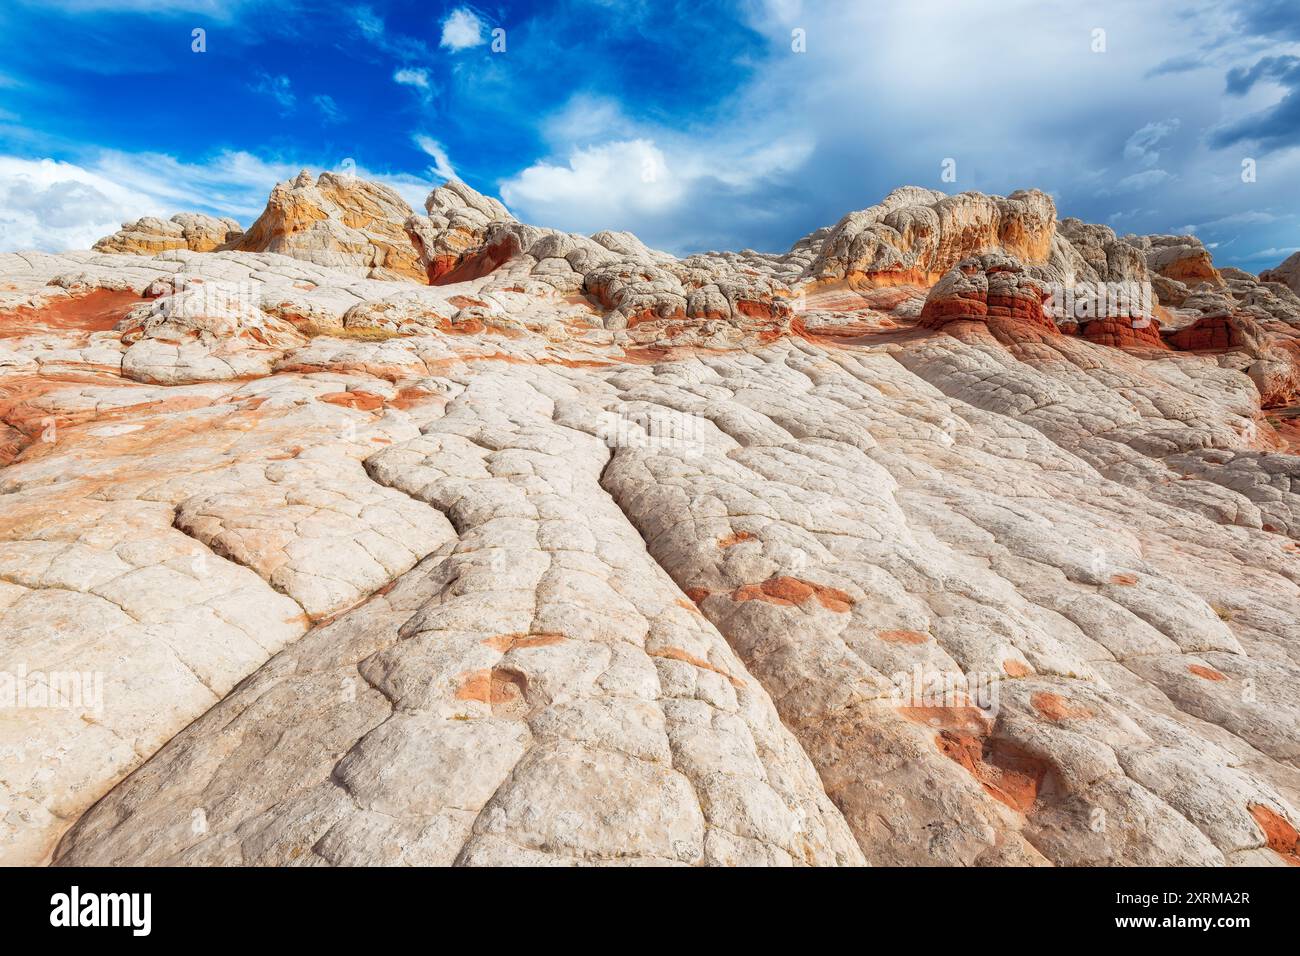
(450, 539)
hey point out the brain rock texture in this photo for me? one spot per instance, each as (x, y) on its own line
(366, 536)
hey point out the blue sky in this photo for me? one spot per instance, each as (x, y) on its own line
(695, 125)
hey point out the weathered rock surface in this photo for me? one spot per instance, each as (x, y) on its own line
(1180, 258)
(918, 234)
(903, 546)
(1288, 273)
(185, 230)
(337, 220)
(456, 226)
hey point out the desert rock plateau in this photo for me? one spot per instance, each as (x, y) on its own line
(957, 534)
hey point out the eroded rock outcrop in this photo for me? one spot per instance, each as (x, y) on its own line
(457, 224)
(994, 289)
(1179, 258)
(1109, 258)
(916, 235)
(202, 331)
(883, 549)
(337, 220)
(185, 230)
(1288, 273)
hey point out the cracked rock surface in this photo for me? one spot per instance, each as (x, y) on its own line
(450, 539)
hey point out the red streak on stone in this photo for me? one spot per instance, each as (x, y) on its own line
(1279, 835)
(789, 591)
(95, 311)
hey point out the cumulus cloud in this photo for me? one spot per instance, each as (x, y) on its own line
(669, 192)
(461, 30)
(837, 143)
(54, 205)
(232, 183)
(741, 141)
(597, 185)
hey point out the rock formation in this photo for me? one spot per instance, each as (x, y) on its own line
(991, 288)
(185, 230)
(1288, 273)
(1180, 258)
(383, 538)
(337, 220)
(916, 235)
(457, 223)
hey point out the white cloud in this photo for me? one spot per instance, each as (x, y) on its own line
(462, 30)
(1274, 254)
(597, 188)
(231, 183)
(368, 22)
(803, 138)
(1141, 146)
(585, 118)
(417, 79)
(441, 163)
(52, 205)
(644, 185)
(830, 106)
(677, 189)
(412, 77)
(1136, 182)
